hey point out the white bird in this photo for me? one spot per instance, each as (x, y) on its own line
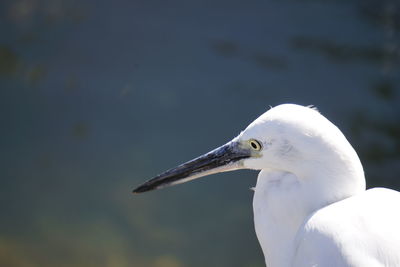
(310, 204)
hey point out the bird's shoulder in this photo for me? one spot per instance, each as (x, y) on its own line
(362, 230)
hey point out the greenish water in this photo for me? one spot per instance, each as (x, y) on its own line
(96, 97)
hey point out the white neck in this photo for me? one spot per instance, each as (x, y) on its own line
(283, 201)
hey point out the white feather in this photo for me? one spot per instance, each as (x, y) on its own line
(310, 204)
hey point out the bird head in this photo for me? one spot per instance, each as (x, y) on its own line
(290, 138)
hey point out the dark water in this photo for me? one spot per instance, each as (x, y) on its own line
(98, 96)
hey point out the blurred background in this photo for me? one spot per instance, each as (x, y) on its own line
(99, 96)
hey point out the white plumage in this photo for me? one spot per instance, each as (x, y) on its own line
(310, 205)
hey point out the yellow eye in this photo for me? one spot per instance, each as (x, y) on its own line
(256, 145)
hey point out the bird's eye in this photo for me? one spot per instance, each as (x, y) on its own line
(256, 145)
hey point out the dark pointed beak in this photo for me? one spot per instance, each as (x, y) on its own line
(225, 158)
